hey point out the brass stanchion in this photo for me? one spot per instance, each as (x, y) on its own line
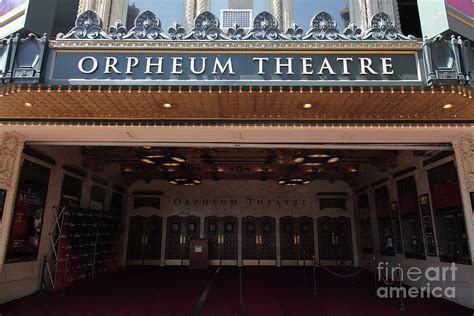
(315, 290)
(375, 276)
(403, 307)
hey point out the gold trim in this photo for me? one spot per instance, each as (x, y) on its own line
(12, 18)
(461, 19)
(237, 45)
(292, 52)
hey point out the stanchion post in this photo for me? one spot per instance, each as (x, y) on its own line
(304, 267)
(375, 275)
(354, 281)
(65, 275)
(403, 307)
(315, 290)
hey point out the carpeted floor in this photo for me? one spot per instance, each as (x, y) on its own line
(265, 291)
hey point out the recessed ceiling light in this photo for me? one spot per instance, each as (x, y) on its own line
(28, 105)
(167, 105)
(307, 105)
(447, 106)
(333, 160)
(318, 155)
(312, 164)
(148, 161)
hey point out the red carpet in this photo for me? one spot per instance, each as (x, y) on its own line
(266, 291)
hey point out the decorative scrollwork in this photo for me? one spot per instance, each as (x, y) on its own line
(323, 27)
(352, 31)
(117, 30)
(88, 25)
(146, 26)
(381, 28)
(176, 31)
(295, 32)
(206, 27)
(265, 27)
(236, 32)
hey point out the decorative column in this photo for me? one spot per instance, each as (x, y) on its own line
(361, 11)
(118, 11)
(11, 149)
(103, 10)
(464, 151)
(277, 10)
(101, 7)
(85, 5)
(287, 15)
(189, 13)
(201, 6)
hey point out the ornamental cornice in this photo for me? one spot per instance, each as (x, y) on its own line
(265, 34)
(236, 45)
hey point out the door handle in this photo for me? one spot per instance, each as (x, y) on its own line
(298, 239)
(261, 239)
(256, 239)
(294, 240)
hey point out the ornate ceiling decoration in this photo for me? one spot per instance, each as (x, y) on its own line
(232, 104)
(214, 164)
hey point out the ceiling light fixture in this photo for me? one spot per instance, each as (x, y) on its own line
(185, 177)
(167, 105)
(447, 106)
(28, 105)
(298, 158)
(333, 160)
(307, 106)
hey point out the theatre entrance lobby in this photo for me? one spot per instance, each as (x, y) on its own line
(227, 229)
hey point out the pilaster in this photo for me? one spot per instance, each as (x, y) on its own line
(464, 151)
(11, 148)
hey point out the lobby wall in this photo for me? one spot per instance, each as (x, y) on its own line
(21, 279)
(464, 282)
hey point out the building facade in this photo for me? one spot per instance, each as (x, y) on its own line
(235, 122)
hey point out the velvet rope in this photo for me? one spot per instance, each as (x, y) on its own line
(342, 275)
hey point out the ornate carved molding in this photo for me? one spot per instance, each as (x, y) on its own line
(88, 25)
(207, 28)
(146, 26)
(382, 28)
(10, 157)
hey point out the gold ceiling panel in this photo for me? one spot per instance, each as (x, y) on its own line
(212, 104)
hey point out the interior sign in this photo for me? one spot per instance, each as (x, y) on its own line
(240, 67)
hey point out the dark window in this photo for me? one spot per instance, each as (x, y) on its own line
(384, 221)
(410, 17)
(449, 217)
(97, 198)
(411, 218)
(71, 192)
(116, 203)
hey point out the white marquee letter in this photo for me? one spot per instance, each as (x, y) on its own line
(111, 64)
(326, 66)
(193, 65)
(158, 65)
(387, 67)
(222, 69)
(131, 63)
(289, 65)
(177, 65)
(365, 64)
(260, 64)
(81, 62)
(307, 66)
(345, 65)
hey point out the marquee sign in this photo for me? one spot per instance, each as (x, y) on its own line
(233, 67)
(147, 55)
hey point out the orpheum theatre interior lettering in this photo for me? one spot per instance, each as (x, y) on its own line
(292, 162)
